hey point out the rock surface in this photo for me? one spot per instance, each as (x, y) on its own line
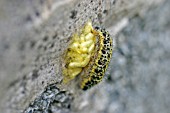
(34, 34)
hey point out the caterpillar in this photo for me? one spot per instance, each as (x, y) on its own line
(95, 70)
(88, 56)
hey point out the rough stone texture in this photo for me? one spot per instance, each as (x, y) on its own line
(34, 33)
(51, 100)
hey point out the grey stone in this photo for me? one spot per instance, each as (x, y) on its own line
(34, 34)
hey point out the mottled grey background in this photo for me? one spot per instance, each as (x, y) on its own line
(34, 33)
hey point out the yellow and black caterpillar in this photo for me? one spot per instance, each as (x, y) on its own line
(100, 61)
(88, 55)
